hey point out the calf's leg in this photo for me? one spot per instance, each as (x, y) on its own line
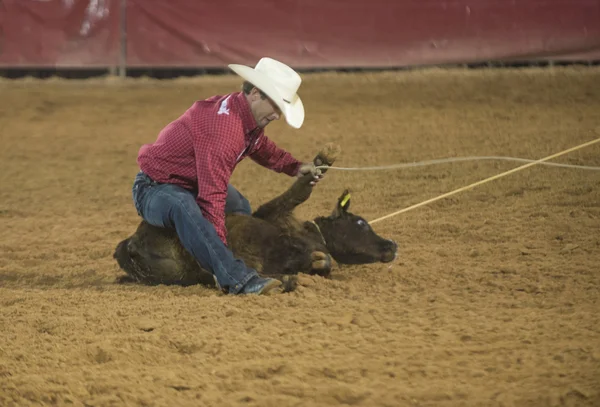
(283, 205)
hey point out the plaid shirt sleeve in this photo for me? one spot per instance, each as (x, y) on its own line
(269, 155)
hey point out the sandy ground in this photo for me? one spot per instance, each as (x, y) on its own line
(493, 301)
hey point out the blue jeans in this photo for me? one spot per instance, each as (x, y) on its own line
(168, 205)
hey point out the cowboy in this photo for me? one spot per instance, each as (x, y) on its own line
(184, 175)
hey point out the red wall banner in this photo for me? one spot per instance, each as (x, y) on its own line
(329, 33)
(303, 33)
(59, 33)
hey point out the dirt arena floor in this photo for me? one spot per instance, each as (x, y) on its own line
(493, 301)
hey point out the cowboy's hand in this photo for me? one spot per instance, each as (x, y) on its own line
(310, 168)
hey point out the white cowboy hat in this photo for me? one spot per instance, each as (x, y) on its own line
(280, 83)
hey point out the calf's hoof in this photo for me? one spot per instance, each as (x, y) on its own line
(328, 154)
(321, 263)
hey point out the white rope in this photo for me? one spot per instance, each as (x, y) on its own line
(455, 159)
(483, 181)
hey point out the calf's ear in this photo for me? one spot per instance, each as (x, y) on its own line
(343, 204)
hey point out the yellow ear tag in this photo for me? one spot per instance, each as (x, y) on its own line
(345, 200)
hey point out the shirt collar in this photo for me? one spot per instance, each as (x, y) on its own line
(248, 120)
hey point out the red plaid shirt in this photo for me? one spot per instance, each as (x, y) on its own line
(200, 150)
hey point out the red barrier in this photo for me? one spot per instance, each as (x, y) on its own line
(59, 33)
(303, 33)
(330, 33)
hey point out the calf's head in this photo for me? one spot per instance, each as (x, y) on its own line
(351, 240)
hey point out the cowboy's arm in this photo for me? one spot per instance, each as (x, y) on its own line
(271, 156)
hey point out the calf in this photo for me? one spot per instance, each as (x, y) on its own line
(272, 241)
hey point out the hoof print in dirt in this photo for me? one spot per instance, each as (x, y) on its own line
(290, 283)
